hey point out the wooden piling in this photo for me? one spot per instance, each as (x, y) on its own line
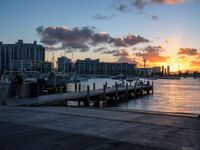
(3, 95)
(152, 87)
(75, 86)
(79, 103)
(94, 86)
(79, 87)
(135, 91)
(126, 90)
(104, 95)
(86, 103)
(141, 88)
(147, 89)
(106, 85)
(116, 91)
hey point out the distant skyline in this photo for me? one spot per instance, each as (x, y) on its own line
(164, 32)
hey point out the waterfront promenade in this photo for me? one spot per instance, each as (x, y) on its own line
(91, 128)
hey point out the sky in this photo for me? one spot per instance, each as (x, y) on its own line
(162, 32)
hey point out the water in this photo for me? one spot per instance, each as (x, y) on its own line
(179, 96)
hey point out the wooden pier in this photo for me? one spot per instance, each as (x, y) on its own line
(90, 97)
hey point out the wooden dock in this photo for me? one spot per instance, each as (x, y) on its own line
(90, 97)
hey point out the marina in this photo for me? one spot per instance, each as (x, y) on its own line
(100, 75)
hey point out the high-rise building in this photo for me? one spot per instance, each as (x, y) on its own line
(163, 70)
(89, 66)
(156, 69)
(23, 56)
(168, 70)
(64, 64)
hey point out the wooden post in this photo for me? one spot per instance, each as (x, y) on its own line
(126, 90)
(141, 88)
(88, 96)
(135, 91)
(148, 86)
(116, 90)
(3, 94)
(75, 86)
(94, 86)
(152, 88)
(79, 103)
(79, 87)
(104, 95)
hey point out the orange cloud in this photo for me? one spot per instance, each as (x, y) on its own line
(195, 63)
(168, 1)
(188, 51)
(153, 54)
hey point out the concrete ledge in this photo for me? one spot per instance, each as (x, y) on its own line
(101, 129)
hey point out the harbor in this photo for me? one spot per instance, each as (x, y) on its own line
(100, 75)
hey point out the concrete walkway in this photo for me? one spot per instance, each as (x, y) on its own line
(86, 128)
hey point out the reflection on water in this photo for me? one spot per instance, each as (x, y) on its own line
(169, 96)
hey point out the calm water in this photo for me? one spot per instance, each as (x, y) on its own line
(169, 96)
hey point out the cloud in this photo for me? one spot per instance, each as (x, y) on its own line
(97, 50)
(50, 48)
(129, 40)
(121, 6)
(125, 59)
(103, 17)
(188, 51)
(75, 38)
(116, 53)
(140, 5)
(123, 56)
(154, 17)
(167, 1)
(152, 54)
(127, 5)
(122, 53)
(195, 63)
(100, 38)
(113, 52)
(83, 38)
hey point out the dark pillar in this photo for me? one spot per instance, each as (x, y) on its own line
(94, 86)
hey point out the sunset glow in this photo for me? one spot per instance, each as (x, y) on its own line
(162, 31)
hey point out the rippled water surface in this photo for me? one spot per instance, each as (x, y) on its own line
(169, 96)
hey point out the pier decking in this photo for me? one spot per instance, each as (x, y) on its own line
(83, 128)
(86, 97)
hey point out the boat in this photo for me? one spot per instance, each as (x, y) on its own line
(118, 77)
(170, 78)
(130, 79)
